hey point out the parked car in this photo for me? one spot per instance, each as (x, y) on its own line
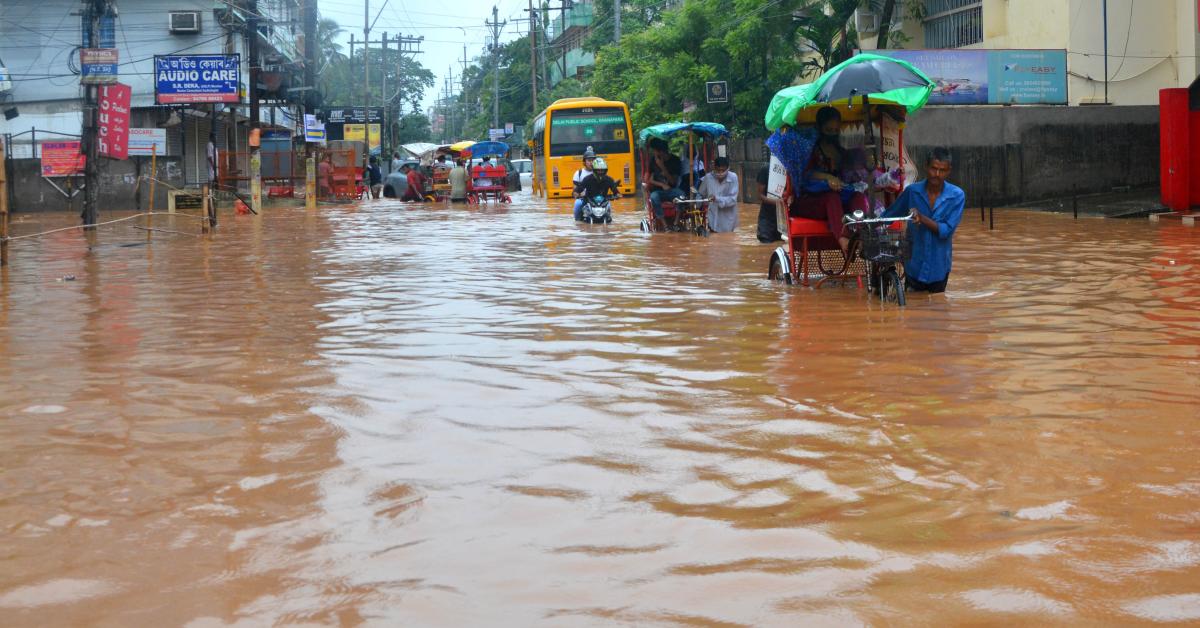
(395, 183)
(525, 168)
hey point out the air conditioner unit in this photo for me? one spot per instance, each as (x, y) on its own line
(185, 22)
(866, 21)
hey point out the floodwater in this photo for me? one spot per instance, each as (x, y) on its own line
(391, 415)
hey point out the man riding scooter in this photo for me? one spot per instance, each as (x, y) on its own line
(598, 183)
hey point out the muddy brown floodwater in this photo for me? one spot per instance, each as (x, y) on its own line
(439, 416)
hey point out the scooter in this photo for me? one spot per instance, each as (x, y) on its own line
(597, 210)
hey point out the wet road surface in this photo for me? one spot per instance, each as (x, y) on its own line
(439, 416)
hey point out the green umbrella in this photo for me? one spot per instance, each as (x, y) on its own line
(883, 80)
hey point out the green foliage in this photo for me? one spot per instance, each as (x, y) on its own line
(413, 127)
(665, 57)
(406, 80)
(828, 36)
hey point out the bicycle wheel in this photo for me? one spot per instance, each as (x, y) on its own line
(891, 289)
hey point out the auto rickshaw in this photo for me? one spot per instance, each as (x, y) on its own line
(687, 213)
(874, 95)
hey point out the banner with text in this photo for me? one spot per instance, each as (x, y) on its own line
(113, 138)
(991, 77)
(147, 142)
(196, 79)
(61, 159)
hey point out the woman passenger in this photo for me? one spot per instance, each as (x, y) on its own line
(824, 195)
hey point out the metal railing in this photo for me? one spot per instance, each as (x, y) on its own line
(953, 23)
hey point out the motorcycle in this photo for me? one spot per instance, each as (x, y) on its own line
(597, 210)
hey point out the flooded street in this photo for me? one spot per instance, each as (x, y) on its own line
(392, 415)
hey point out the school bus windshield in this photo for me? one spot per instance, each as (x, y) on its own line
(602, 128)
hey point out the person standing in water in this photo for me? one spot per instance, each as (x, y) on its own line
(721, 188)
(939, 208)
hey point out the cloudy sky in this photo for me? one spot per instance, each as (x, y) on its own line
(445, 25)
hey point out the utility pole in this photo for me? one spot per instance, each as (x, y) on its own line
(386, 129)
(366, 101)
(533, 57)
(496, 25)
(1105, 11)
(616, 21)
(91, 168)
(465, 109)
(310, 58)
(255, 114)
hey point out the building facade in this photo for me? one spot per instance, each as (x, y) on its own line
(1152, 44)
(40, 51)
(566, 34)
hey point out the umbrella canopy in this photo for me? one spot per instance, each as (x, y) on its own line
(479, 149)
(882, 80)
(665, 131)
(461, 146)
(419, 149)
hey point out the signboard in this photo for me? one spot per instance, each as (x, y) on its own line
(776, 178)
(354, 132)
(142, 142)
(353, 115)
(995, 77)
(5, 80)
(196, 79)
(61, 159)
(495, 134)
(717, 91)
(97, 66)
(314, 130)
(112, 138)
(375, 139)
(508, 128)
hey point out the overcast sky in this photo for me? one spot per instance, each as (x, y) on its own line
(445, 25)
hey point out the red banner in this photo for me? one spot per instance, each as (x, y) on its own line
(113, 139)
(61, 159)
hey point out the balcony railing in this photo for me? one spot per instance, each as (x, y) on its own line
(953, 23)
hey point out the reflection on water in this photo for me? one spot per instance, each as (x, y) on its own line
(406, 415)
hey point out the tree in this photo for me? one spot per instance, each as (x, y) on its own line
(827, 35)
(413, 127)
(662, 62)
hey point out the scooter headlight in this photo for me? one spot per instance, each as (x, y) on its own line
(599, 210)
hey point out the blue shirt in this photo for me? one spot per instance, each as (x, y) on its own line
(931, 252)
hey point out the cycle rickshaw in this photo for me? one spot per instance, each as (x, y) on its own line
(876, 93)
(487, 181)
(687, 213)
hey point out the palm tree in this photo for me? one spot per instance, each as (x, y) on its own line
(328, 31)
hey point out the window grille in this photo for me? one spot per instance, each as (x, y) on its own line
(953, 23)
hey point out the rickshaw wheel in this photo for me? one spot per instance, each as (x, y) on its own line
(775, 271)
(891, 288)
(644, 226)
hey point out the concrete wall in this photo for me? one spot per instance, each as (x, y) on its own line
(32, 193)
(1014, 154)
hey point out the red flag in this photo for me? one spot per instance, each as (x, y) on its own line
(114, 121)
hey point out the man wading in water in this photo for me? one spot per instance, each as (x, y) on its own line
(939, 206)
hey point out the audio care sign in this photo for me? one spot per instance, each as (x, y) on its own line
(196, 79)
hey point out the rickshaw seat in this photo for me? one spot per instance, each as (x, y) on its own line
(807, 227)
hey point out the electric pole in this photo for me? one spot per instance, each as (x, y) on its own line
(252, 26)
(616, 21)
(366, 80)
(496, 25)
(91, 167)
(533, 57)
(383, 94)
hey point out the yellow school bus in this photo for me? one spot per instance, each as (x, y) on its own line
(566, 129)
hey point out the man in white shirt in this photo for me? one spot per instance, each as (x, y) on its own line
(720, 187)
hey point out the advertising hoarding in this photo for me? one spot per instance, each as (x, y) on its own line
(113, 132)
(97, 66)
(991, 77)
(196, 79)
(145, 142)
(62, 159)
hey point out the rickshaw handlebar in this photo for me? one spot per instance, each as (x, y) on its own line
(912, 215)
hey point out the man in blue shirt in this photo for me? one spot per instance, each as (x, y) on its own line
(939, 206)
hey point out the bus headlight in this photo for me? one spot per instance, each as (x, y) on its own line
(554, 173)
(626, 174)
